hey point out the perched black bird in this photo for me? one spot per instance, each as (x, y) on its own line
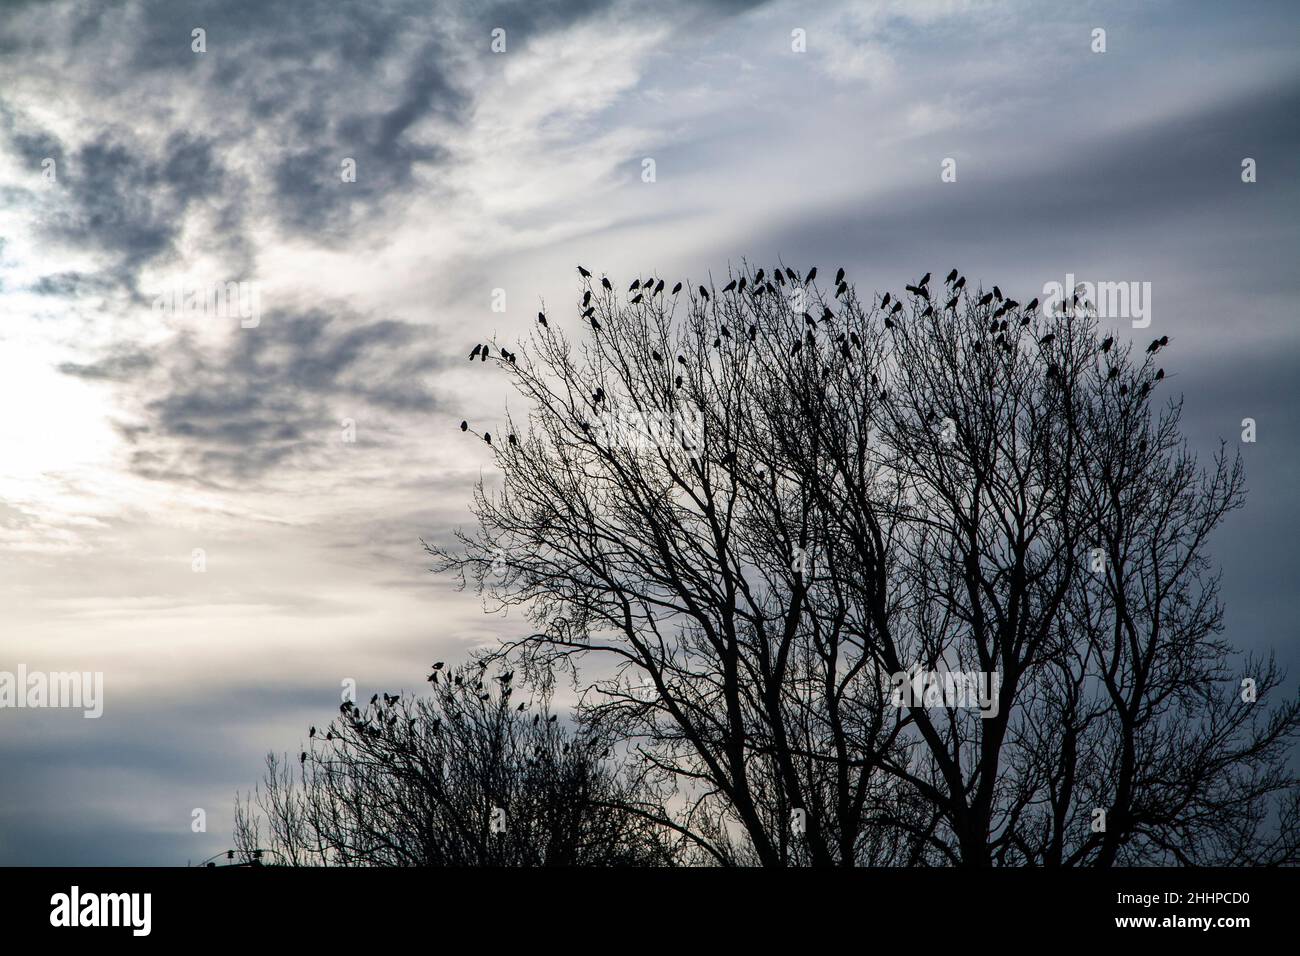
(487, 437)
(483, 356)
(889, 323)
(986, 298)
(929, 310)
(604, 280)
(797, 346)
(925, 279)
(758, 276)
(952, 303)
(638, 298)
(464, 426)
(1160, 373)
(474, 354)
(677, 288)
(952, 276)
(898, 307)
(997, 293)
(656, 356)
(810, 320)
(584, 273)
(1033, 304)
(1047, 339)
(1107, 343)
(812, 274)
(704, 293)
(839, 275)
(552, 718)
(1123, 389)
(636, 284)
(679, 381)
(594, 324)
(741, 284)
(682, 359)
(884, 301)
(753, 332)
(1154, 346)
(841, 289)
(589, 311)
(312, 732)
(541, 317)
(659, 287)
(729, 286)
(960, 283)
(1112, 374)
(302, 757)
(513, 439)
(586, 298)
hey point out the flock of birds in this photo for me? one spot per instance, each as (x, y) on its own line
(1000, 315)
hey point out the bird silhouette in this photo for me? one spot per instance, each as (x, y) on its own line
(704, 293)
(541, 317)
(997, 293)
(952, 303)
(677, 288)
(483, 356)
(512, 439)
(1112, 374)
(636, 284)
(884, 301)
(951, 277)
(638, 298)
(796, 347)
(487, 437)
(1160, 374)
(1107, 343)
(594, 324)
(659, 287)
(604, 280)
(839, 275)
(464, 425)
(960, 283)
(729, 286)
(812, 274)
(1033, 304)
(929, 310)
(925, 279)
(1047, 339)
(584, 273)
(312, 732)
(986, 298)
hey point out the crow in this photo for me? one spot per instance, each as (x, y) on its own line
(839, 275)
(659, 287)
(541, 317)
(704, 293)
(677, 288)
(960, 283)
(729, 286)
(474, 354)
(952, 276)
(812, 274)
(637, 299)
(487, 437)
(636, 284)
(1047, 339)
(884, 301)
(584, 273)
(986, 298)
(1107, 343)
(586, 298)
(1033, 304)
(464, 426)
(605, 282)
(925, 279)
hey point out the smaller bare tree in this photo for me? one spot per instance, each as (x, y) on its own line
(464, 777)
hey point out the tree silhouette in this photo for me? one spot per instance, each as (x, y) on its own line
(460, 778)
(746, 511)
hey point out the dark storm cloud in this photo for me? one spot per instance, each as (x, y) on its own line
(273, 393)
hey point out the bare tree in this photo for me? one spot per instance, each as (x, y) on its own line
(750, 510)
(464, 777)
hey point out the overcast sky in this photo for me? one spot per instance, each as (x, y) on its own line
(130, 437)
